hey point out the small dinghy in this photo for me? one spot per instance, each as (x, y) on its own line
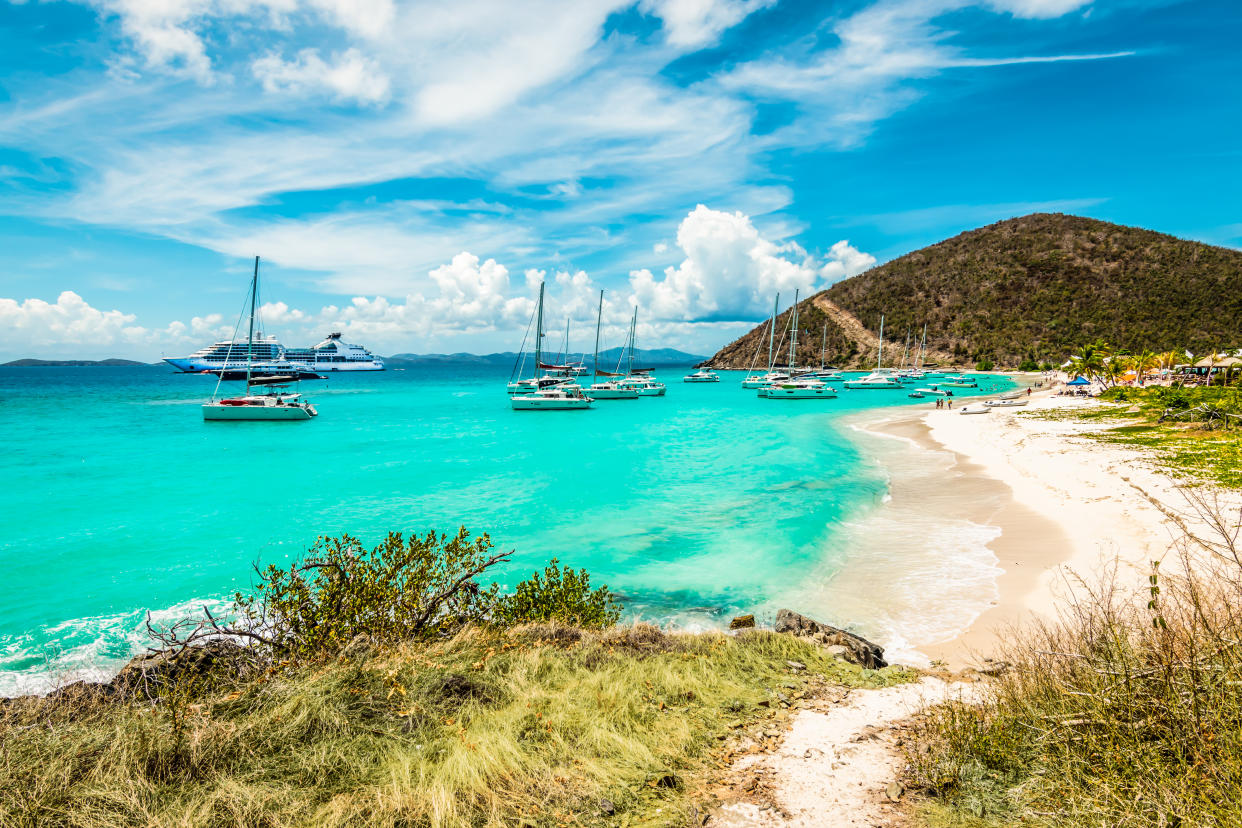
(974, 408)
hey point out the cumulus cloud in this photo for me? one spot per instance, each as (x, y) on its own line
(349, 75)
(470, 296)
(69, 320)
(731, 272)
(696, 23)
(845, 260)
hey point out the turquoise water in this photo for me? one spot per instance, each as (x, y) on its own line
(119, 499)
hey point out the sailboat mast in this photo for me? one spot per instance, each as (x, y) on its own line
(772, 330)
(599, 316)
(823, 346)
(254, 293)
(793, 336)
(906, 353)
(923, 347)
(633, 333)
(879, 357)
(539, 333)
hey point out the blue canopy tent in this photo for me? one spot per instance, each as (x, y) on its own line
(1078, 381)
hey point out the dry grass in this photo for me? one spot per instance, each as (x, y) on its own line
(1127, 711)
(533, 727)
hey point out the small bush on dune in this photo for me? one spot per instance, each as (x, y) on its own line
(559, 594)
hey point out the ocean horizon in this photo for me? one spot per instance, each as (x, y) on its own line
(693, 507)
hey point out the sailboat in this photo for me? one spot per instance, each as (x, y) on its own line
(879, 378)
(773, 375)
(640, 380)
(559, 395)
(608, 389)
(266, 397)
(796, 388)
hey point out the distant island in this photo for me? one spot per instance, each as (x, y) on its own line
(645, 358)
(75, 363)
(1021, 293)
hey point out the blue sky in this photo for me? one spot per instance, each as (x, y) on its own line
(409, 172)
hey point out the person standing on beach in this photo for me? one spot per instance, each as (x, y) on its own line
(950, 405)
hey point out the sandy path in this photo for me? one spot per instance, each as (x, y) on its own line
(833, 767)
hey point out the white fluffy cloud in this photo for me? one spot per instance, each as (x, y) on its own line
(70, 320)
(845, 260)
(470, 296)
(349, 75)
(731, 272)
(699, 22)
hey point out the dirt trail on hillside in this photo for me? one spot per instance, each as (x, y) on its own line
(868, 342)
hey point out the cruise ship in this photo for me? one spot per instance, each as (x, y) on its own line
(266, 354)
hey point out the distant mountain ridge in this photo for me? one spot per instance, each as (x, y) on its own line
(644, 357)
(75, 363)
(1035, 287)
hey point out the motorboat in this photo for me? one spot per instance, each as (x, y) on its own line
(267, 397)
(770, 378)
(797, 390)
(611, 390)
(933, 390)
(645, 386)
(556, 398)
(704, 375)
(873, 380)
(974, 408)
(916, 394)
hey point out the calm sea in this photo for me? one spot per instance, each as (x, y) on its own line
(695, 506)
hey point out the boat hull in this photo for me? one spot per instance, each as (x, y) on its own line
(798, 393)
(533, 403)
(612, 393)
(700, 379)
(264, 413)
(858, 384)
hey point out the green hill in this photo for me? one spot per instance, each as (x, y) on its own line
(1037, 286)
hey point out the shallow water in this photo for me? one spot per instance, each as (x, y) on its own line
(693, 507)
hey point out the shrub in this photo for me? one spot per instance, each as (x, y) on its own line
(984, 364)
(404, 588)
(1028, 364)
(560, 594)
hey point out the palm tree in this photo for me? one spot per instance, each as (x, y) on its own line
(1143, 362)
(1090, 360)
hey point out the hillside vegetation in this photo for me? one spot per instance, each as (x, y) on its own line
(1035, 288)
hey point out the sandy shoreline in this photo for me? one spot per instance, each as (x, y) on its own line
(1064, 505)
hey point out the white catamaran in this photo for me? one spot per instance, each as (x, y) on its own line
(880, 377)
(796, 388)
(267, 397)
(610, 389)
(560, 394)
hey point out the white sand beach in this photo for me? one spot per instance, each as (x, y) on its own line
(1067, 506)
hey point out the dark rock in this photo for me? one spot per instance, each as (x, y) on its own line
(795, 665)
(861, 651)
(148, 673)
(742, 622)
(668, 780)
(607, 808)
